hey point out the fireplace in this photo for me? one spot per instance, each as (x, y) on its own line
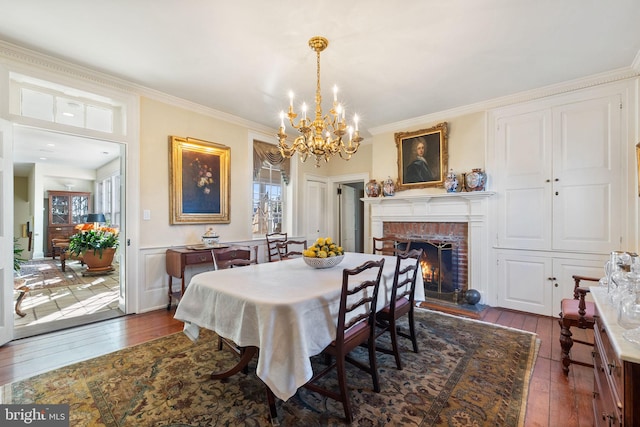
(453, 224)
(444, 258)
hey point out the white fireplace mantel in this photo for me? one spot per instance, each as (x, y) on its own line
(470, 207)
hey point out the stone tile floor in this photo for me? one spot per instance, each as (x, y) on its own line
(96, 294)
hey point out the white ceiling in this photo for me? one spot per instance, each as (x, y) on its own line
(392, 61)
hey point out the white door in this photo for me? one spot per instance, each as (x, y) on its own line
(348, 226)
(315, 210)
(6, 232)
(587, 175)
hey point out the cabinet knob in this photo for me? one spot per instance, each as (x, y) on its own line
(611, 367)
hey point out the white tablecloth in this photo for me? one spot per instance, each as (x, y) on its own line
(287, 309)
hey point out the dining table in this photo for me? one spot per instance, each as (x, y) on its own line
(285, 312)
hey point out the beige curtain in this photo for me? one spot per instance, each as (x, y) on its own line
(263, 151)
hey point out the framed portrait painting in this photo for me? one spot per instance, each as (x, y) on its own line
(199, 187)
(422, 157)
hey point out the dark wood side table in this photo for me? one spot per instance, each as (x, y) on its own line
(179, 258)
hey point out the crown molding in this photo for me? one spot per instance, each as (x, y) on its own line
(520, 97)
(24, 56)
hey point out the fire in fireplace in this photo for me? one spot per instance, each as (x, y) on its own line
(444, 259)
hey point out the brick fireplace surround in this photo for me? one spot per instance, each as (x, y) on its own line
(441, 217)
(442, 232)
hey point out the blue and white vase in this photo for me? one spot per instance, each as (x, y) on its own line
(451, 182)
(388, 187)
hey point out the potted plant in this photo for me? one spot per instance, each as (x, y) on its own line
(17, 256)
(95, 245)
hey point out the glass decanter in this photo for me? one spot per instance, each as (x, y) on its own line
(629, 308)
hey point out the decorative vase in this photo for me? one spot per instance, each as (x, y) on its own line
(372, 188)
(451, 182)
(96, 263)
(388, 187)
(476, 180)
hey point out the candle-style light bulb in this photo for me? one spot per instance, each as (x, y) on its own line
(290, 98)
(335, 93)
(304, 110)
(282, 119)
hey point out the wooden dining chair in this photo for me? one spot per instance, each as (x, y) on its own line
(231, 257)
(234, 256)
(272, 249)
(579, 313)
(290, 249)
(355, 326)
(390, 245)
(401, 303)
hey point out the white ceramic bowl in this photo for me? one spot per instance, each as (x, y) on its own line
(210, 241)
(323, 262)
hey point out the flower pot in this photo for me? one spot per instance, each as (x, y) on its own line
(97, 263)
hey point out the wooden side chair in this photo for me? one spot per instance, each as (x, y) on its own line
(231, 257)
(359, 295)
(390, 245)
(579, 313)
(272, 249)
(234, 256)
(290, 249)
(401, 303)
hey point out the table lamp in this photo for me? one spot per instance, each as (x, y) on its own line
(96, 219)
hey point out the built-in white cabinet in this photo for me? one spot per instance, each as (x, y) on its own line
(558, 174)
(536, 281)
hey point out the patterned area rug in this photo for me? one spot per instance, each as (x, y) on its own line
(467, 373)
(47, 273)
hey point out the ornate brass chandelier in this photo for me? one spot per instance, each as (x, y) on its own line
(322, 137)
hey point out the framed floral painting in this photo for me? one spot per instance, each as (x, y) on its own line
(199, 188)
(422, 157)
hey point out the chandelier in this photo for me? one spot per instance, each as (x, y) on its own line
(323, 136)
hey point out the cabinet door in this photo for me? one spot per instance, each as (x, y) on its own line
(587, 175)
(523, 153)
(59, 209)
(525, 282)
(536, 282)
(79, 208)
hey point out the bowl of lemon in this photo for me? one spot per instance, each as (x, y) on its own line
(324, 253)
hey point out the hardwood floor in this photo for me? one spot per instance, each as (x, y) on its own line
(553, 398)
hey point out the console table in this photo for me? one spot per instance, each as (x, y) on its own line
(616, 364)
(177, 259)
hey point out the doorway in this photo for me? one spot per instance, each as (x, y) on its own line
(351, 215)
(59, 294)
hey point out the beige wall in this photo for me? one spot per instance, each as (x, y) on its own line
(157, 122)
(376, 157)
(466, 147)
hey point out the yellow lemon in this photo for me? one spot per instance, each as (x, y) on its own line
(322, 254)
(328, 241)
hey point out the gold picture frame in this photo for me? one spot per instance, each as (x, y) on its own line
(199, 186)
(422, 157)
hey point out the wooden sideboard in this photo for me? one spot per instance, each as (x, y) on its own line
(177, 259)
(616, 364)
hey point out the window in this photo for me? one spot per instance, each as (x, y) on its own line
(108, 199)
(47, 101)
(270, 175)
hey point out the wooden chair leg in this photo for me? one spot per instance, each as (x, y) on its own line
(393, 330)
(273, 410)
(566, 342)
(344, 391)
(23, 293)
(412, 332)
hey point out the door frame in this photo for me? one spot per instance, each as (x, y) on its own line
(332, 205)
